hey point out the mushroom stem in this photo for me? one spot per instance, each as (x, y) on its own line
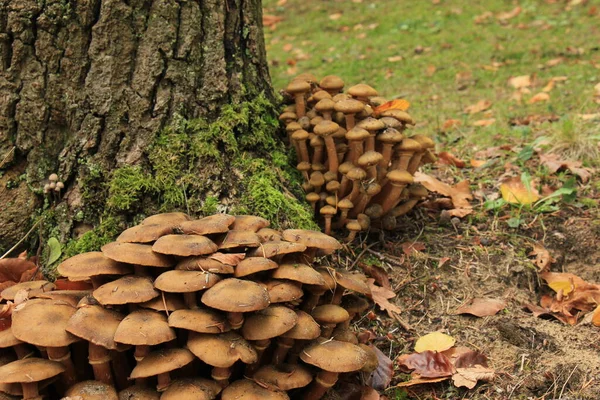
(355, 191)
(190, 300)
(30, 390)
(22, 351)
(163, 380)
(350, 121)
(404, 208)
(322, 383)
(63, 356)
(386, 152)
(121, 369)
(99, 359)
(260, 346)
(332, 156)
(415, 161)
(393, 197)
(236, 319)
(337, 295)
(300, 105)
(283, 347)
(312, 300)
(141, 351)
(221, 376)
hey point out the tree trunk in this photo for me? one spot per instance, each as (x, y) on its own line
(139, 106)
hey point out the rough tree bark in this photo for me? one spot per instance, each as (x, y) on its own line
(87, 85)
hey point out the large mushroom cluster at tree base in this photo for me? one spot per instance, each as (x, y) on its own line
(220, 307)
(354, 152)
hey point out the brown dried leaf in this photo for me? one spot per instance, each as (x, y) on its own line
(481, 105)
(540, 97)
(596, 316)
(459, 193)
(468, 377)
(11, 269)
(477, 163)
(542, 312)
(482, 307)
(417, 380)
(505, 16)
(519, 82)
(450, 159)
(378, 273)
(381, 295)
(271, 20)
(484, 122)
(382, 376)
(554, 164)
(428, 364)
(409, 248)
(232, 259)
(451, 123)
(335, 16)
(543, 259)
(369, 393)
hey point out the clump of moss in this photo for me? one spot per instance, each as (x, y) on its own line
(94, 239)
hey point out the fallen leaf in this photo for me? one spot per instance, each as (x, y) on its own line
(504, 16)
(409, 248)
(430, 70)
(395, 58)
(382, 376)
(540, 97)
(464, 357)
(514, 192)
(554, 164)
(288, 47)
(427, 364)
(483, 18)
(270, 20)
(484, 122)
(477, 163)
(381, 296)
(451, 123)
(596, 316)
(417, 380)
(376, 272)
(481, 105)
(541, 312)
(335, 16)
(397, 104)
(459, 193)
(11, 269)
(564, 281)
(597, 90)
(468, 377)
(369, 393)
(519, 82)
(232, 259)
(482, 307)
(450, 159)
(434, 341)
(554, 62)
(543, 259)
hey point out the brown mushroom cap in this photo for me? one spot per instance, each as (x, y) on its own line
(391, 122)
(425, 141)
(184, 245)
(320, 95)
(179, 281)
(390, 135)
(29, 370)
(91, 264)
(331, 82)
(240, 238)
(172, 218)
(207, 264)
(144, 233)
(245, 389)
(277, 248)
(129, 289)
(173, 302)
(349, 106)
(409, 144)
(192, 389)
(357, 133)
(249, 222)
(7, 339)
(221, 350)
(270, 234)
(299, 272)
(95, 324)
(144, 328)
(235, 295)
(306, 328)
(400, 115)
(199, 320)
(252, 265)
(282, 291)
(218, 223)
(91, 390)
(330, 314)
(369, 158)
(312, 239)
(297, 86)
(42, 323)
(161, 361)
(362, 90)
(354, 304)
(356, 282)
(268, 323)
(33, 288)
(135, 253)
(283, 377)
(400, 177)
(326, 128)
(324, 105)
(335, 356)
(371, 124)
(136, 392)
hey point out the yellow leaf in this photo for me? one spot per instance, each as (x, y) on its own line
(434, 341)
(520, 81)
(542, 96)
(565, 286)
(477, 163)
(484, 122)
(514, 191)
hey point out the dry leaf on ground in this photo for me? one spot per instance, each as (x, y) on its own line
(596, 316)
(554, 164)
(434, 341)
(381, 296)
(519, 82)
(504, 16)
(484, 122)
(565, 281)
(481, 105)
(398, 104)
(450, 159)
(410, 248)
(482, 307)
(382, 376)
(369, 393)
(451, 123)
(468, 377)
(232, 259)
(459, 193)
(428, 364)
(540, 97)
(513, 191)
(376, 272)
(476, 163)
(543, 259)
(270, 20)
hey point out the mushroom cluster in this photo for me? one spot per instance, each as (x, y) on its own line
(354, 153)
(219, 307)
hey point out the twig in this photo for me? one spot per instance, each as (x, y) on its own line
(567, 381)
(22, 239)
(7, 155)
(389, 258)
(357, 259)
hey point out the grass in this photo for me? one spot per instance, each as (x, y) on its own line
(441, 60)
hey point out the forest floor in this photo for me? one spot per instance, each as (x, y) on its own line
(510, 90)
